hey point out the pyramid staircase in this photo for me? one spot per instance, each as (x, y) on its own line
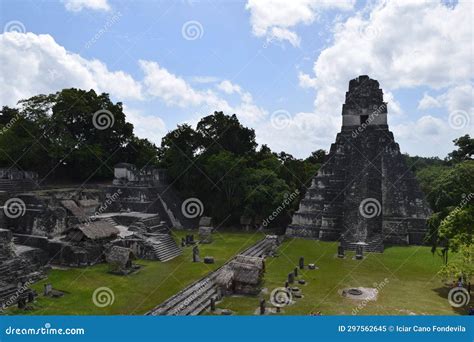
(164, 246)
(149, 225)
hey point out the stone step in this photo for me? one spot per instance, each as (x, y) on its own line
(202, 303)
(178, 298)
(187, 303)
(164, 247)
(196, 297)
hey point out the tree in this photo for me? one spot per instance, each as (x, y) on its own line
(457, 227)
(461, 266)
(316, 157)
(177, 155)
(73, 134)
(220, 131)
(465, 149)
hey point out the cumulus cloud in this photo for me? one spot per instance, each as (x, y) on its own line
(228, 87)
(306, 81)
(428, 102)
(79, 5)
(275, 19)
(427, 131)
(173, 90)
(31, 64)
(150, 127)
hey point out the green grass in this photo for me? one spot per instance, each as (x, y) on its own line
(412, 286)
(139, 292)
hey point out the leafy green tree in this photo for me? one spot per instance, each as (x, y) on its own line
(22, 142)
(461, 265)
(64, 135)
(465, 149)
(265, 192)
(177, 155)
(220, 131)
(451, 199)
(225, 177)
(457, 227)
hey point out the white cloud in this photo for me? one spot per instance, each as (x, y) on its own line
(300, 135)
(31, 64)
(150, 127)
(228, 87)
(204, 79)
(274, 19)
(456, 98)
(422, 135)
(393, 106)
(428, 102)
(306, 81)
(79, 5)
(175, 91)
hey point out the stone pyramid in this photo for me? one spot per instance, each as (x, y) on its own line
(364, 193)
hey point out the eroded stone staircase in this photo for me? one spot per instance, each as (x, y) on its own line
(196, 298)
(164, 246)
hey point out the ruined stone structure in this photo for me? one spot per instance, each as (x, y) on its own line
(147, 190)
(364, 192)
(13, 179)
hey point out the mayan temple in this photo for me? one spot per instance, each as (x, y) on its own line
(364, 193)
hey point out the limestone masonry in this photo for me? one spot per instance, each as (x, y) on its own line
(364, 193)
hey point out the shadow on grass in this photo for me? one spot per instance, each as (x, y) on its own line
(444, 291)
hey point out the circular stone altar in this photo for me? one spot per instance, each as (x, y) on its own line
(355, 292)
(360, 293)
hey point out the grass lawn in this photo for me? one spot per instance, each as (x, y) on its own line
(409, 273)
(137, 293)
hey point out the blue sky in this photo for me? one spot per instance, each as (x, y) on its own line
(281, 66)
